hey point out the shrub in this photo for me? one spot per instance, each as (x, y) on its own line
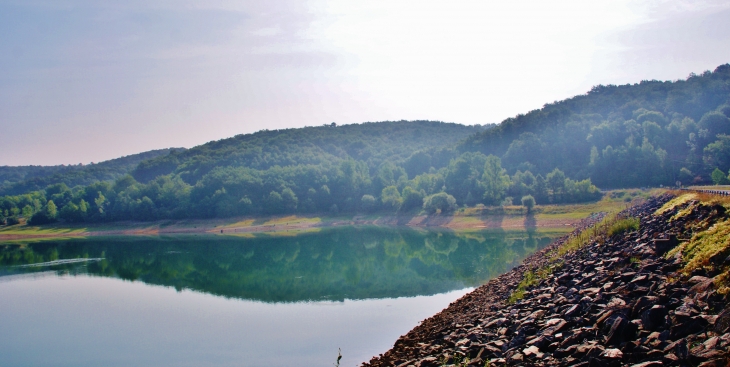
(528, 202)
(441, 201)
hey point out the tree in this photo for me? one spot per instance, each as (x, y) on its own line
(273, 203)
(45, 216)
(368, 203)
(391, 197)
(717, 153)
(441, 201)
(27, 212)
(528, 202)
(412, 198)
(556, 182)
(494, 180)
(289, 199)
(715, 123)
(51, 209)
(718, 177)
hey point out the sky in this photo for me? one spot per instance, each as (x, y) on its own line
(89, 80)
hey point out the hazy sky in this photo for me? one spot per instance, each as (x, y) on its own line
(84, 81)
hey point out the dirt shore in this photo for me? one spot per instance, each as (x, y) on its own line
(275, 225)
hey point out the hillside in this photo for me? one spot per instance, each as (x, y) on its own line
(644, 134)
(370, 143)
(16, 180)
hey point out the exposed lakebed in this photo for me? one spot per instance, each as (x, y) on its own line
(224, 300)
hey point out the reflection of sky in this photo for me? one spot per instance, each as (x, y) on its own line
(85, 80)
(88, 321)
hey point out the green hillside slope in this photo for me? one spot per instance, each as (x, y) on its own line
(23, 179)
(371, 143)
(648, 133)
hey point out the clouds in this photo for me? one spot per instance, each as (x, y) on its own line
(89, 80)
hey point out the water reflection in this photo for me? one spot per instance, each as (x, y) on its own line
(333, 264)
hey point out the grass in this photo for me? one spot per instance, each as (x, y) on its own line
(704, 247)
(531, 278)
(709, 246)
(613, 223)
(623, 225)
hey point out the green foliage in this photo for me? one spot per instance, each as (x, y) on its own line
(44, 216)
(23, 179)
(621, 136)
(391, 197)
(442, 202)
(528, 202)
(623, 225)
(412, 198)
(719, 177)
(368, 203)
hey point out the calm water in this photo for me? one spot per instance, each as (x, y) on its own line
(234, 301)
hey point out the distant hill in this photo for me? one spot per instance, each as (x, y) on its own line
(370, 142)
(22, 179)
(646, 134)
(649, 133)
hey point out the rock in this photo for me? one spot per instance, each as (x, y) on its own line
(720, 362)
(496, 323)
(664, 244)
(722, 323)
(620, 330)
(517, 357)
(532, 351)
(698, 279)
(648, 364)
(683, 328)
(612, 353)
(428, 362)
(653, 318)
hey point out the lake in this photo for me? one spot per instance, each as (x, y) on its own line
(256, 300)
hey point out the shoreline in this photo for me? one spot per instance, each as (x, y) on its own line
(288, 224)
(620, 301)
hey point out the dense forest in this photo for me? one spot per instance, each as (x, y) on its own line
(646, 134)
(23, 179)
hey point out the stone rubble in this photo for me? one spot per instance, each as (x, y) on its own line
(617, 303)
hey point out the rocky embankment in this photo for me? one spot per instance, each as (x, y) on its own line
(617, 302)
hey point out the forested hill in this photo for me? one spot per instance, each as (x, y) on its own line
(371, 143)
(632, 135)
(644, 134)
(22, 179)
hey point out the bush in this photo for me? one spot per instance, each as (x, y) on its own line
(528, 202)
(12, 220)
(441, 201)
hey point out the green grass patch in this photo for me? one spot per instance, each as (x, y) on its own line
(623, 225)
(531, 278)
(704, 247)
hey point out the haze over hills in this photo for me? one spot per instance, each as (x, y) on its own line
(649, 133)
(22, 179)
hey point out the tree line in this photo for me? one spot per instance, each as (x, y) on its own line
(348, 186)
